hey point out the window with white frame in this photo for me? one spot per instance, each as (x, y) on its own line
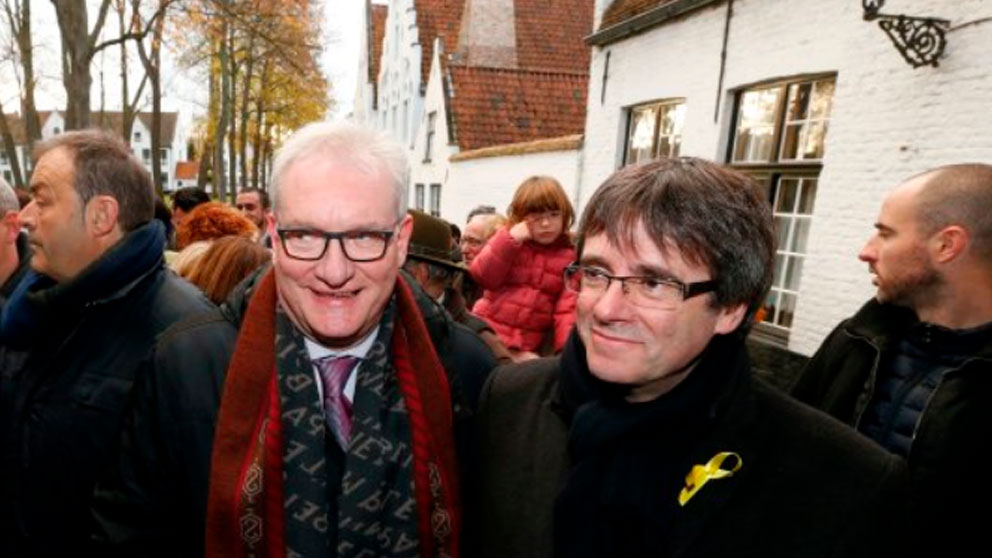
(146, 156)
(654, 130)
(436, 200)
(778, 138)
(418, 196)
(429, 143)
(137, 137)
(164, 156)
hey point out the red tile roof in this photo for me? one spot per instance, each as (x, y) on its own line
(550, 34)
(436, 18)
(622, 10)
(498, 106)
(187, 170)
(376, 35)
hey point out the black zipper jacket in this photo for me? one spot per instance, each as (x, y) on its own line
(952, 442)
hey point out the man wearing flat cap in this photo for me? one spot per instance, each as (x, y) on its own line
(430, 262)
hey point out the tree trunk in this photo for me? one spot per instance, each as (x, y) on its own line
(245, 112)
(220, 183)
(78, 49)
(232, 100)
(32, 124)
(11, 149)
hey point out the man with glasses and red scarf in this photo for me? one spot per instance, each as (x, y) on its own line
(315, 414)
(648, 435)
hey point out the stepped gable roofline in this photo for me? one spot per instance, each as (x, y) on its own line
(436, 19)
(376, 36)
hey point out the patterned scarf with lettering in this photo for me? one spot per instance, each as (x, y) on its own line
(399, 488)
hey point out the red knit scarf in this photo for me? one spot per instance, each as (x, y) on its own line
(245, 501)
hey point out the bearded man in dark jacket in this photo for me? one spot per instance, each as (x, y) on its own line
(649, 436)
(85, 317)
(247, 439)
(912, 369)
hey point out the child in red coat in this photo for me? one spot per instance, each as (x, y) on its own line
(521, 270)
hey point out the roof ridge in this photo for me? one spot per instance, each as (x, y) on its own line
(545, 71)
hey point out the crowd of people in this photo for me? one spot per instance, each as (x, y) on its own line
(319, 371)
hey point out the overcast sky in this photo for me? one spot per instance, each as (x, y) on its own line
(184, 91)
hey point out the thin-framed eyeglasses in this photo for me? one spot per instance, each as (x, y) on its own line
(358, 246)
(645, 291)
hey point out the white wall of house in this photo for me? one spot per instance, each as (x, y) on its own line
(400, 100)
(888, 121)
(493, 180)
(432, 168)
(362, 111)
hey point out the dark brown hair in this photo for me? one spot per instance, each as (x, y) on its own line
(537, 194)
(213, 220)
(103, 165)
(228, 260)
(714, 216)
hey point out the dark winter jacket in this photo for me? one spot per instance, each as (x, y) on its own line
(63, 411)
(524, 293)
(953, 436)
(154, 502)
(807, 487)
(11, 359)
(23, 259)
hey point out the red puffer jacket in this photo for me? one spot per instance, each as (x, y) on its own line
(524, 291)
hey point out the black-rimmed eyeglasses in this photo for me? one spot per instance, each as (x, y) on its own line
(358, 246)
(646, 291)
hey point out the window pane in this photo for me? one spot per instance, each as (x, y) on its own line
(779, 270)
(771, 303)
(786, 195)
(642, 132)
(665, 147)
(823, 99)
(798, 106)
(793, 272)
(800, 235)
(782, 231)
(816, 132)
(786, 308)
(791, 140)
(809, 195)
(756, 125)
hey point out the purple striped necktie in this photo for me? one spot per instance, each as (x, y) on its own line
(334, 372)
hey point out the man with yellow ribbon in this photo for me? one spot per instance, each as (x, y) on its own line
(648, 435)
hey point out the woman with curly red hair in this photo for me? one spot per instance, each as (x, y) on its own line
(211, 220)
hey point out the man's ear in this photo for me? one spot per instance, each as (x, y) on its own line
(729, 319)
(101, 215)
(403, 239)
(949, 243)
(10, 225)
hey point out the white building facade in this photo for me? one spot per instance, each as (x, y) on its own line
(809, 98)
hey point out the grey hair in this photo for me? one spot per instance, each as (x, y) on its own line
(364, 148)
(8, 199)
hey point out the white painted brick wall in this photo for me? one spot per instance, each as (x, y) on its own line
(493, 180)
(889, 120)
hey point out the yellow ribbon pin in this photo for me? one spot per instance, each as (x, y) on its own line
(702, 474)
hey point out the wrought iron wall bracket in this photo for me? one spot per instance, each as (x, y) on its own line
(920, 40)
